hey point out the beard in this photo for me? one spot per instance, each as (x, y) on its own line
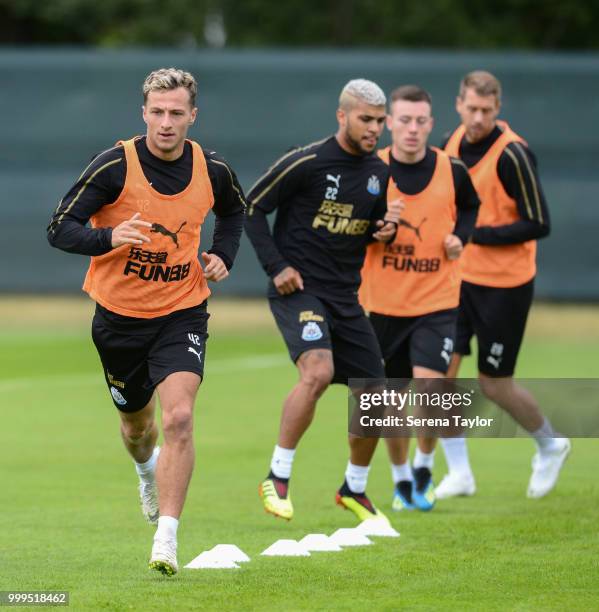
(356, 144)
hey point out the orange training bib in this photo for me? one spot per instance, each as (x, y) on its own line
(164, 275)
(494, 266)
(412, 276)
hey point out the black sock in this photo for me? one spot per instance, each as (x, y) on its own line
(405, 488)
(271, 475)
(422, 477)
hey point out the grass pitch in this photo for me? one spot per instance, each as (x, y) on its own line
(70, 520)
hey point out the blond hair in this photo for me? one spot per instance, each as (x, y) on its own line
(361, 90)
(483, 83)
(166, 79)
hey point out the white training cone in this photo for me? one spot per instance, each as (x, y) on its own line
(377, 527)
(319, 542)
(286, 548)
(350, 537)
(206, 560)
(229, 552)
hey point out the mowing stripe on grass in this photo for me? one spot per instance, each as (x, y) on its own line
(216, 367)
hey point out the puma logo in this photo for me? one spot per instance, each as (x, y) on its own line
(494, 361)
(334, 179)
(192, 350)
(412, 227)
(160, 229)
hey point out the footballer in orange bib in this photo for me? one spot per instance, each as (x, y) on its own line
(146, 200)
(411, 286)
(498, 271)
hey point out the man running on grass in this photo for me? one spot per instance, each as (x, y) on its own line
(498, 272)
(412, 286)
(146, 199)
(330, 198)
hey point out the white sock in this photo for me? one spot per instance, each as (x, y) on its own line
(544, 436)
(167, 528)
(356, 477)
(456, 455)
(147, 470)
(426, 460)
(282, 461)
(403, 471)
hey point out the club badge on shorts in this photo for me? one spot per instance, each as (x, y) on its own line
(117, 396)
(311, 332)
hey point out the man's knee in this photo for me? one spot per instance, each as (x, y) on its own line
(177, 422)
(495, 389)
(316, 371)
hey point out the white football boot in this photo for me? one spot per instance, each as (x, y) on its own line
(546, 467)
(456, 484)
(164, 557)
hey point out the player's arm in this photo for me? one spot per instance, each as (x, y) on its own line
(385, 217)
(229, 209)
(466, 201)
(273, 191)
(518, 174)
(100, 183)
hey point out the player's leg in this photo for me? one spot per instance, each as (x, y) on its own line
(176, 368)
(398, 450)
(315, 368)
(398, 368)
(517, 401)
(302, 320)
(552, 450)
(139, 432)
(177, 393)
(357, 355)
(423, 495)
(352, 493)
(500, 338)
(459, 480)
(123, 357)
(393, 335)
(431, 348)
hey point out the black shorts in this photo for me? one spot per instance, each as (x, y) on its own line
(138, 354)
(308, 322)
(426, 341)
(497, 317)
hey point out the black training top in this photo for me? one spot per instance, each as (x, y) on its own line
(327, 203)
(103, 180)
(411, 179)
(517, 172)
